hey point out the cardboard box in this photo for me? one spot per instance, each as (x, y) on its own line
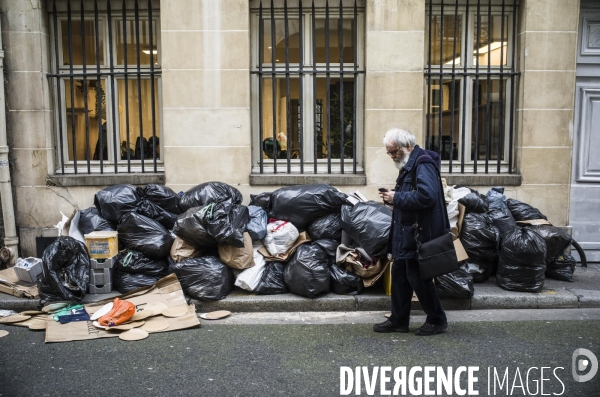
(28, 269)
(166, 290)
(100, 289)
(101, 276)
(103, 263)
(102, 245)
(10, 284)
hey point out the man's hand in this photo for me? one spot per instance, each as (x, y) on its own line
(387, 196)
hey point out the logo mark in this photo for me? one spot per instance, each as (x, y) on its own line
(589, 362)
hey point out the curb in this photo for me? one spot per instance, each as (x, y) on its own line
(485, 298)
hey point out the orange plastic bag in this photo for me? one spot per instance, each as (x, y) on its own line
(121, 312)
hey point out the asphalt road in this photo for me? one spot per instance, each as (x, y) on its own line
(296, 359)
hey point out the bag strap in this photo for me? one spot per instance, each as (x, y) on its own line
(415, 225)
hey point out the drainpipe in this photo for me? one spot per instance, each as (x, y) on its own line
(10, 252)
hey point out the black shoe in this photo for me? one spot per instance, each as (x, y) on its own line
(388, 326)
(430, 329)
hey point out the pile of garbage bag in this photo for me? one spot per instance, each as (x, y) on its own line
(305, 239)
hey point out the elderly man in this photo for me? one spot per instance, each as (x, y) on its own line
(424, 199)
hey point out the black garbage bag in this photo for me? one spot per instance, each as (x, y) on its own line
(307, 272)
(204, 278)
(154, 211)
(522, 261)
(115, 201)
(302, 204)
(480, 273)
(190, 227)
(496, 198)
(481, 240)
(125, 282)
(343, 282)
(214, 223)
(131, 261)
(257, 226)
(209, 192)
(140, 233)
(474, 203)
(368, 224)
(455, 285)
(90, 220)
(326, 227)
(272, 281)
(522, 211)
(65, 271)
(503, 220)
(556, 238)
(239, 216)
(561, 267)
(165, 197)
(262, 200)
(328, 246)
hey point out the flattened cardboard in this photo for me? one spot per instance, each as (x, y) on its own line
(10, 284)
(302, 238)
(535, 222)
(167, 290)
(461, 254)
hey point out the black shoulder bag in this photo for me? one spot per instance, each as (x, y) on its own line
(438, 256)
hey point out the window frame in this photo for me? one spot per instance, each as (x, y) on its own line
(306, 81)
(467, 76)
(110, 75)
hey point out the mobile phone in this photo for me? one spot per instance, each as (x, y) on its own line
(382, 189)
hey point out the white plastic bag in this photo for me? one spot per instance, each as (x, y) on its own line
(281, 235)
(453, 213)
(249, 278)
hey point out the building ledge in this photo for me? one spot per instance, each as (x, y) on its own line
(104, 179)
(482, 179)
(304, 179)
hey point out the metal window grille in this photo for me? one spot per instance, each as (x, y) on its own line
(106, 80)
(470, 83)
(307, 68)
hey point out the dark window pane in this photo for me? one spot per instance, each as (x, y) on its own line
(447, 40)
(482, 123)
(337, 128)
(76, 40)
(334, 42)
(450, 117)
(498, 43)
(293, 38)
(131, 42)
(93, 111)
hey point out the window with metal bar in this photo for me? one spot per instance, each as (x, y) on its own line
(470, 85)
(307, 86)
(106, 81)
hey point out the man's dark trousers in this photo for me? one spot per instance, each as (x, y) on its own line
(405, 280)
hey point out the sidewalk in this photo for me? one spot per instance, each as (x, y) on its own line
(584, 292)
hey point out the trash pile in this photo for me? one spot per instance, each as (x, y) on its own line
(305, 239)
(505, 237)
(289, 240)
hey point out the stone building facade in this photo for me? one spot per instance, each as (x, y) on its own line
(207, 98)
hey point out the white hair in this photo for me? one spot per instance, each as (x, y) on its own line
(400, 138)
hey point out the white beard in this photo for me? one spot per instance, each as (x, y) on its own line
(400, 163)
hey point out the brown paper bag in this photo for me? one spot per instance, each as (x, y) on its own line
(181, 250)
(238, 258)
